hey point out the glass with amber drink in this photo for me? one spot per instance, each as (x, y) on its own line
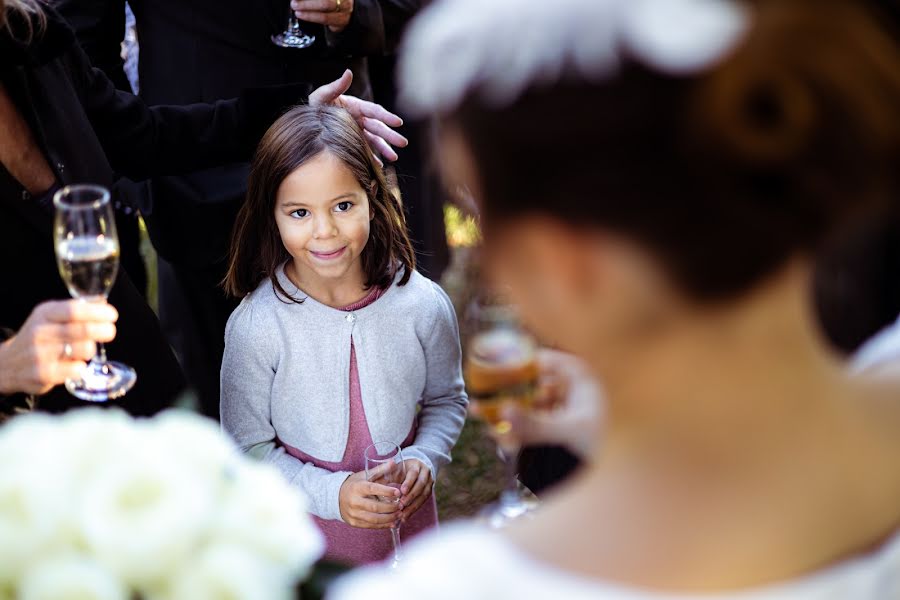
(501, 371)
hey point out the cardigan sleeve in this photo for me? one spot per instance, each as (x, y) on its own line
(141, 141)
(248, 370)
(444, 400)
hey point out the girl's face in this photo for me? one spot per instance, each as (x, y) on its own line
(323, 218)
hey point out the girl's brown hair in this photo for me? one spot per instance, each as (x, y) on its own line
(299, 135)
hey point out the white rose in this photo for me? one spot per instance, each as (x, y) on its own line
(143, 511)
(33, 513)
(70, 577)
(199, 442)
(228, 571)
(264, 513)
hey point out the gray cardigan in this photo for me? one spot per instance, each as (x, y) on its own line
(285, 376)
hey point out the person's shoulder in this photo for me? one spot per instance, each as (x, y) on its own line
(255, 311)
(424, 296)
(459, 561)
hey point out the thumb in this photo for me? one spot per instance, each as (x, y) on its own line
(330, 92)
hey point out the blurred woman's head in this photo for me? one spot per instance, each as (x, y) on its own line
(25, 17)
(637, 156)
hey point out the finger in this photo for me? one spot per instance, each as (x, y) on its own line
(365, 108)
(323, 18)
(415, 505)
(313, 5)
(412, 473)
(376, 127)
(423, 479)
(370, 488)
(67, 369)
(80, 331)
(374, 506)
(330, 92)
(365, 520)
(376, 517)
(381, 147)
(80, 351)
(65, 311)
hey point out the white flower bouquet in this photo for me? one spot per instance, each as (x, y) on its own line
(97, 505)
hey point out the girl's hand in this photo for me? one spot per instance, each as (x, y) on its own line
(361, 504)
(416, 487)
(54, 344)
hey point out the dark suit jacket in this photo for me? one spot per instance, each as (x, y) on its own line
(88, 130)
(204, 50)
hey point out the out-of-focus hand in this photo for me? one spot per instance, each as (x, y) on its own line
(54, 344)
(374, 119)
(416, 488)
(335, 14)
(362, 506)
(567, 412)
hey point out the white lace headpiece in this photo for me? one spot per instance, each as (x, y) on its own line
(504, 47)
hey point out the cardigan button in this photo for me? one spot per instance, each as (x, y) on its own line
(351, 318)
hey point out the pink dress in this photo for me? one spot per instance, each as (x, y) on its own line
(352, 545)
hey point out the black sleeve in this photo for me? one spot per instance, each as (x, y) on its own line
(100, 28)
(142, 141)
(376, 26)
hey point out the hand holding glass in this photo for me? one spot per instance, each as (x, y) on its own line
(293, 36)
(501, 370)
(87, 254)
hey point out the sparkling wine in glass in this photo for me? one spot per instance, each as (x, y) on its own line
(293, 36)
(87, 254)
(385, 466)
(501, 369)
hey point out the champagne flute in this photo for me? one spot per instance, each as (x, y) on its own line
(293, 36)
(384, 465)
(501, 369)
(87, 254)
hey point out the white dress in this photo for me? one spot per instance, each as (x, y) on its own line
(881, 349)
(467, 562)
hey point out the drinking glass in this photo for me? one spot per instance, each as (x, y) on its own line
(87, 254)
(384, 465)
(501, 369)
(293, 36)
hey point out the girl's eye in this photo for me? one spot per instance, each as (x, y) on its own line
(344, 206)
(299, 213)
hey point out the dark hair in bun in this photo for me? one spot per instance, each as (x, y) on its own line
(724, 175)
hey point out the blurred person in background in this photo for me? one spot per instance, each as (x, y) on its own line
(200, 51)
(63, 122)
(700, 156)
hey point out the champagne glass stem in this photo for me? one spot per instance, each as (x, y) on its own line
(395, 538)
(293, 23)
(100, 357)
(510, 494)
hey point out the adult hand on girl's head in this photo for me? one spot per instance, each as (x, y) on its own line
(375, 120)
(416, 488)
(360, 505)
(54, 344)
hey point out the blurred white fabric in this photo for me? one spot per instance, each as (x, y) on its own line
(880, 350)
(504, 47)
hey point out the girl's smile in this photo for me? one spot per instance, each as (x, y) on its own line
(323, 217)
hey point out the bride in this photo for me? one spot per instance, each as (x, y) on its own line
(655, 179)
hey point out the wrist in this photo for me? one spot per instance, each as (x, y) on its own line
(7, 374)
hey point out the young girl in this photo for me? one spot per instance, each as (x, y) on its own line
(338, 340)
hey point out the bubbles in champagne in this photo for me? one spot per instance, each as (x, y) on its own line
(88, 265)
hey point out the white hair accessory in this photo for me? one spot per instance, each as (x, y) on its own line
(504, 47)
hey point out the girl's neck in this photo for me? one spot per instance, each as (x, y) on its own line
(335, 293)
